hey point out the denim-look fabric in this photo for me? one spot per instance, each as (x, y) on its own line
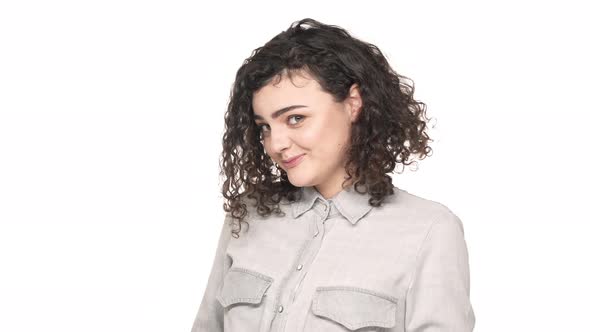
(340, 265)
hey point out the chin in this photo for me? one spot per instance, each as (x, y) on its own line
(299, 180)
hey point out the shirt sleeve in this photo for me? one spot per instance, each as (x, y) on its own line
(210, 313)
(438, 295)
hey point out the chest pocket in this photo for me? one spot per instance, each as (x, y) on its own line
(242, 296)
(343, 308)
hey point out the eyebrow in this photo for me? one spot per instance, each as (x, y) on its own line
(278, 113)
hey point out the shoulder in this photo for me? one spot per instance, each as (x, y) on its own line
(420, 211)
(431, 226)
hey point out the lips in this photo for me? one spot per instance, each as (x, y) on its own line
(292, 162)
(286, 161)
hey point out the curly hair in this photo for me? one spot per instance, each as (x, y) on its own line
(390, 127)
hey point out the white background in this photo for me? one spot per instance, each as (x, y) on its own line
(111, 116)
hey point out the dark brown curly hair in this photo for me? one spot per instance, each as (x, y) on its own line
(390, 127)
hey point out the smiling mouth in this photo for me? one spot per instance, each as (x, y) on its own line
(288, 160)
(293, 161)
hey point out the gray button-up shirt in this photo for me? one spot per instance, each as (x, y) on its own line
(339, 265)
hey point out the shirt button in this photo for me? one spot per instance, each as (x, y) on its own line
(280, 308)
(299, 267)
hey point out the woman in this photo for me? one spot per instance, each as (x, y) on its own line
(316, 120)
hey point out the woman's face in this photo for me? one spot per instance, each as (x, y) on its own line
(296, 117)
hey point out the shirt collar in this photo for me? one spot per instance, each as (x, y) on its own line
(351, 204)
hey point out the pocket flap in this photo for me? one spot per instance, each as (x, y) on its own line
(241, 285)
(354, 307)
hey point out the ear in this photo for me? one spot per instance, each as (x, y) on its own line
(354, 102)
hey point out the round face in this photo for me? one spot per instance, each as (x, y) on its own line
(297, 119)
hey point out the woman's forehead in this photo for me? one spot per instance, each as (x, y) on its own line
(300, 90)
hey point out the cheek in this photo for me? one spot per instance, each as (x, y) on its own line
(323, 141)
(311, 139)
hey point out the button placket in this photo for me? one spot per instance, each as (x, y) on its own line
(305, 260)
(324, 216)
(314, 247)
(316, 232)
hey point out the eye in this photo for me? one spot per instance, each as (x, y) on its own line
(295, 116)
(261, 126)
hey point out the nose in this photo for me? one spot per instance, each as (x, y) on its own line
(277, 142)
